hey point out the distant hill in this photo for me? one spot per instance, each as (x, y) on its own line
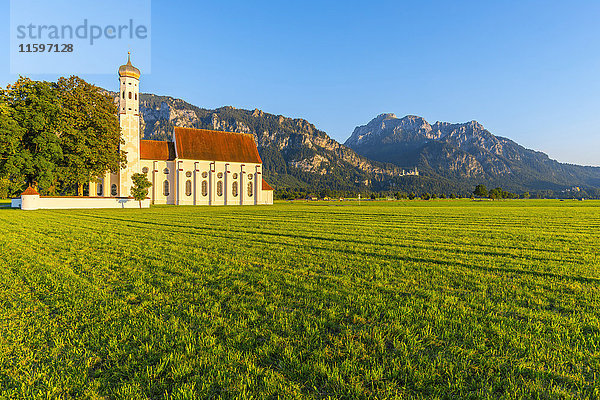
(465, 153)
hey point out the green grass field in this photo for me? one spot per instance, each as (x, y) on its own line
(440, 299)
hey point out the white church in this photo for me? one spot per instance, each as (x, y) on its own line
(199, 167)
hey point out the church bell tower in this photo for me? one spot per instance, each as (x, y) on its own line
(129, 119)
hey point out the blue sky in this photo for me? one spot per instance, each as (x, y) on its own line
(527, 70)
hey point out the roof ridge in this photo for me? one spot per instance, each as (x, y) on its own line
(215, 131)
(210, 144)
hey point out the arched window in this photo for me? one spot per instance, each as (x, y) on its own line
(204, 188)
(188, 188)
(123, 94)
(234, 189)
(250, 191)
(99, 191)
(220, 188)
(136, 96)
(145, 170)
(165, 188)
(129, 95)
(113, 190)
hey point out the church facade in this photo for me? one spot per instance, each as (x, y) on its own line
(198, 167)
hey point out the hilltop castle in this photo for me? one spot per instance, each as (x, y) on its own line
(198, 167)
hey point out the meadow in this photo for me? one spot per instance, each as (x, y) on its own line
(407, 299)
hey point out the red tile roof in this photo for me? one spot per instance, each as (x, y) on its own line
(29, 191)
(266, 186)
(157, 150)
(204, 144)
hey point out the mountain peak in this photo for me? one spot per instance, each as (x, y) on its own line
(463, 152)
(384, 124)
(386, 116)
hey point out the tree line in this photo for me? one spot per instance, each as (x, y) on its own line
(496, 193)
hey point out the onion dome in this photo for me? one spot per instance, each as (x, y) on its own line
(128, 69)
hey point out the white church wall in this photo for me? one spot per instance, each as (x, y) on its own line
(218, 176)
(187, 177)
(201, 182)
(249, 188)
(147, 168)
(202, 179)
(189, 182)
(160, 172)
(113, 188)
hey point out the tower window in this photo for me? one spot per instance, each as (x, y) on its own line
(250, 191)
(166, 171)
(188, 188)
(129, 95)
(165, 188)
(204, 188)
(136, 96)
(123, 94)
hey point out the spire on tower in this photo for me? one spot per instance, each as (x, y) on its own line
(128, 69)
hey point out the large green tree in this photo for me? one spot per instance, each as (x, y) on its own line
(91, 141)
(57, 136)
(480, 191)
(9, 147)
(31, 129)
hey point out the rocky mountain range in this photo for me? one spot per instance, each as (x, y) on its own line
(465, 152)
(381, 155)
(294, 152)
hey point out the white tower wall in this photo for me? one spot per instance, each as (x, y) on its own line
(129, 118)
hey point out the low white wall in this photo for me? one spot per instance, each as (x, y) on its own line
(58, 203)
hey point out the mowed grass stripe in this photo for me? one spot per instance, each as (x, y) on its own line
(304, 300)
